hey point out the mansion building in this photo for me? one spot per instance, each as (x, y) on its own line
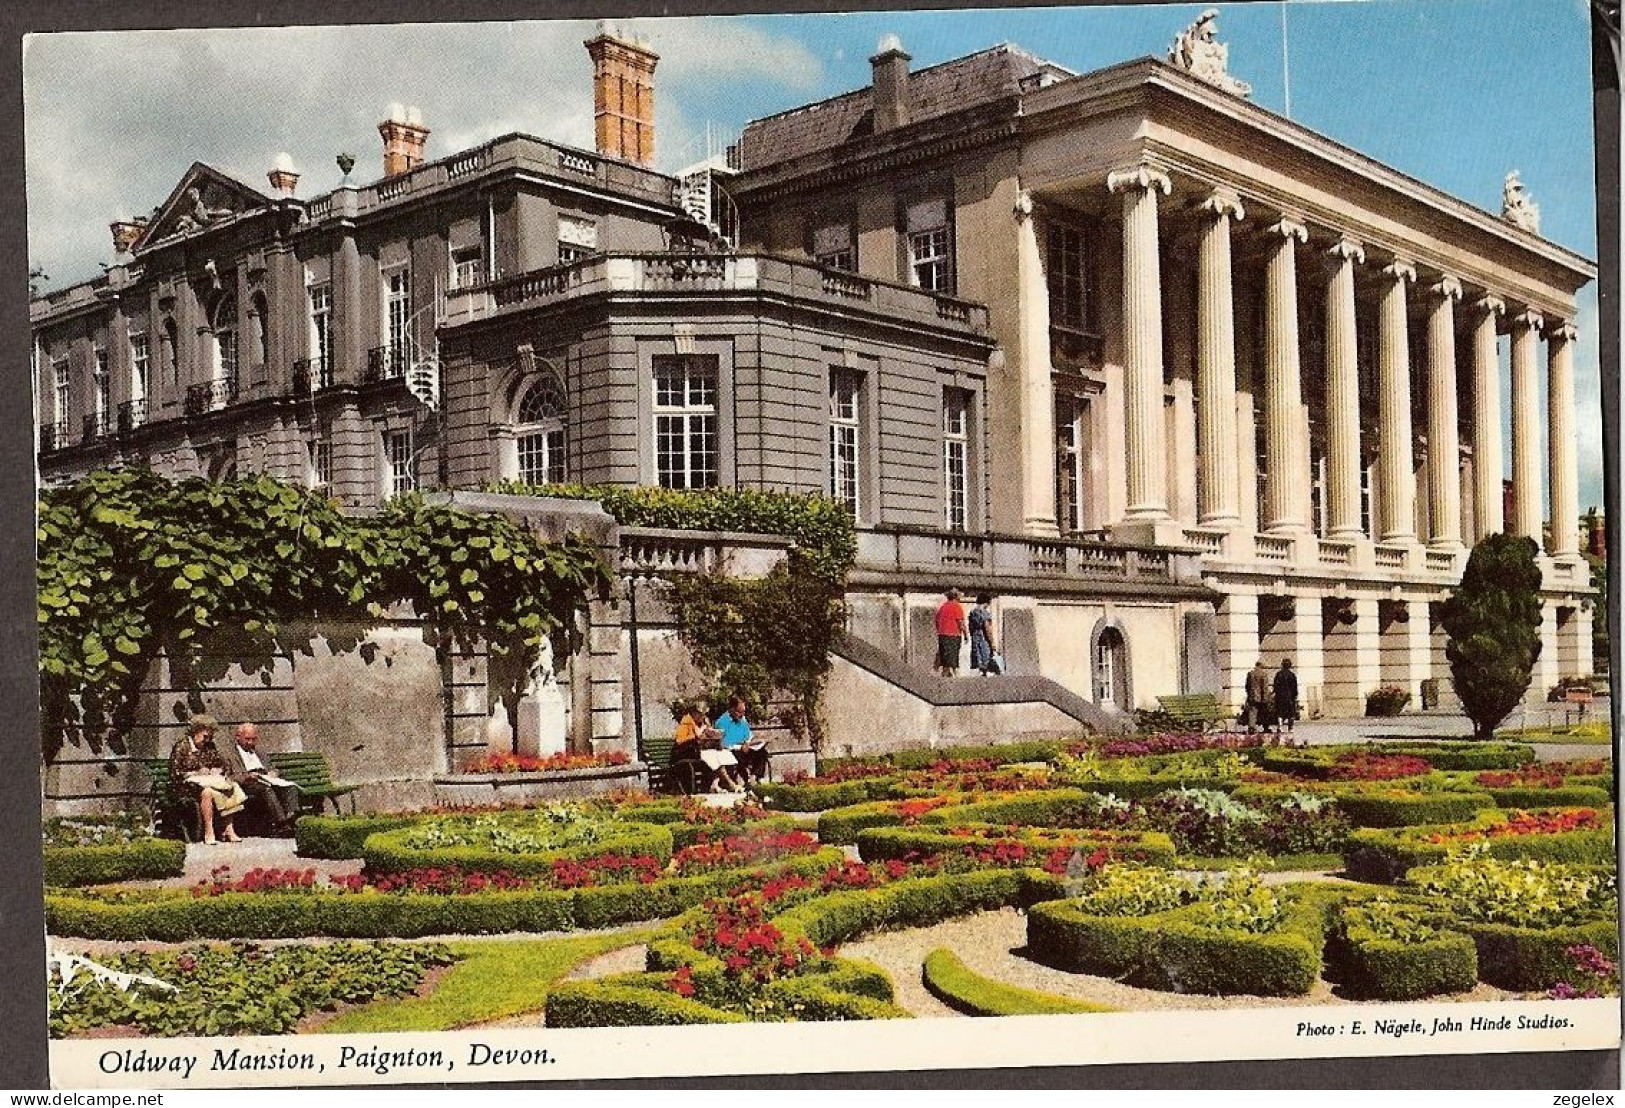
(1182, 382)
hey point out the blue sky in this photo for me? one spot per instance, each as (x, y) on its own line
(1454, 92)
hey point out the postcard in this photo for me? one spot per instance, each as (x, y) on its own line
(720, 545)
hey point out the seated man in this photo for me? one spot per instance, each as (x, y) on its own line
(279, 795)
(736, 737)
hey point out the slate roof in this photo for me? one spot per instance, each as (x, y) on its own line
(935, 91)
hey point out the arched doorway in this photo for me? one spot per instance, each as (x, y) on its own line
(1109, 663)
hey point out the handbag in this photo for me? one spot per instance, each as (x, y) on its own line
(995, 664)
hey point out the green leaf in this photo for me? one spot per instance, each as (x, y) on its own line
(193, 571)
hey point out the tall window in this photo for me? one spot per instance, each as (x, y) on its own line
(578, 239)
(1072, 455)
(140, 378)
(930, 249)
(321, 461)
(398, 474)
(844, 386)
(956, 458)
(102, 394)
(225, 348)
(685, 412)
(832, 247)
(397, 321)
(59, 389)
(321, 333)
(540, 437)
(467, 267)
(1066, 270)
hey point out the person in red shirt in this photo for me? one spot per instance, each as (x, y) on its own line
(950, 634)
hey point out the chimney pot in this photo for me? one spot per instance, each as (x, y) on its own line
(283, 177)
(623, 95)
(890, 90)
(404, 136)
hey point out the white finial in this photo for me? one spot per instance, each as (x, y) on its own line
(888, 43)
(283, 162)
(1517, 207)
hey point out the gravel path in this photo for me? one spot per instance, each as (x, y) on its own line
(989, 943)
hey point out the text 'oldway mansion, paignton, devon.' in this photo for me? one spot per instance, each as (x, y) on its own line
(1180, 381)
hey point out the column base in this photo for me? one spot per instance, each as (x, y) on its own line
(1149, 532)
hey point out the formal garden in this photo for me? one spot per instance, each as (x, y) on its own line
(1081, 875)
(1156, 871)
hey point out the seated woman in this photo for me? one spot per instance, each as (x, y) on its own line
(696, 738)
(195, 765)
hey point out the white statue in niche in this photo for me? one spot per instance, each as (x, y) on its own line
(1198, 52)
(1516, 206)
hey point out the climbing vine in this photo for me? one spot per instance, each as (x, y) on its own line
(132, 567)
(767, 639)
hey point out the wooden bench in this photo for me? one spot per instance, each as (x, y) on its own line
(314, 776)
(1576, 699)
(668, 775)
(173, 811)
(1201, 710)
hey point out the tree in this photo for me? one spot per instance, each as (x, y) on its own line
(1493, 623)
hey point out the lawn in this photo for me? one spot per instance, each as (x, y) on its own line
(1591, 733)
(492, 980)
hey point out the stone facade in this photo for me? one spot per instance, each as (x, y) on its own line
(1179, 380)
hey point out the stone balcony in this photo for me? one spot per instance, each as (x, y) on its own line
(665, 274)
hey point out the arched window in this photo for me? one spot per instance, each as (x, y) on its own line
(539, 435)
(223, 325)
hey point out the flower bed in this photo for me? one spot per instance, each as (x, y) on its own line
(1385, 855)
(525, 847)
(1004, 845)
(551, 763)
(1235, 938)
(1380, 950)
(240, 989)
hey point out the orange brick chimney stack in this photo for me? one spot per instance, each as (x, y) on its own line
(623, 87)
(404, 135)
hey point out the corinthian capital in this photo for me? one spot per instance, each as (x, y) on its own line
(1400, 269)
(1347, 249)
(1223, 203)
(1142, 177)
(1289, 228)
(1446, 288)
(1562, 330)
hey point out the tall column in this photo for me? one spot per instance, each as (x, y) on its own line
(1216, 364)
(1487, 463)
(1037, 386)
(1343, 453)
(1565, 518)
(1525, 439)
(1142, 340)
(1394, 413)
(1444, 446)
(1286, 496)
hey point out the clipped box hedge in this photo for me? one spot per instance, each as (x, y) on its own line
(177, 916)
(878, 844)
(1386, 855)
(845, 991)
(1070, 807)
(1568, 796)
(1465, 754)
(1384, 969)
(68, 866)
(1172, 952)
(1403, 808)
(389, 852)
(956, 985)
(841, 825)
(1525, 959)
(344, 836)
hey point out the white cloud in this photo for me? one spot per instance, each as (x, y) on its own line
(109, 128)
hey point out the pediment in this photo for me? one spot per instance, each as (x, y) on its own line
(203, 198)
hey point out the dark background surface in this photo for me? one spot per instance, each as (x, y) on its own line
(23, 1062)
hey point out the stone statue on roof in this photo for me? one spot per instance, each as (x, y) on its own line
(1516, 206)
(1198, 52)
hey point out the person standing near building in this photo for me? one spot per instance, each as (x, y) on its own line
(1286, 696)
(950, 634)
(980, 623)
(1259, 692)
